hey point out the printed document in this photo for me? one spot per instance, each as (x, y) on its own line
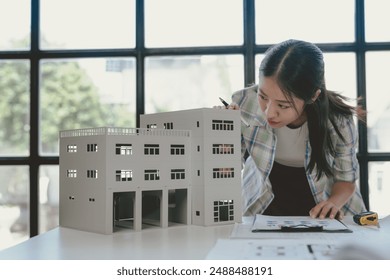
(263, 223)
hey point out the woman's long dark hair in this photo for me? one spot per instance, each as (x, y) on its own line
(298, 67)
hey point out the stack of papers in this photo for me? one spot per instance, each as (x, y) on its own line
(261, 237)
(264, 223)
(250, 249)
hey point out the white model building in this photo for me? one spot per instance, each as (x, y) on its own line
(215, 161)
(182, 167)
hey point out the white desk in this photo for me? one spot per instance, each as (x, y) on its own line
(178, 242)
(173, 243)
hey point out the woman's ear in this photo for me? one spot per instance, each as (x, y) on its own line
(316, 95)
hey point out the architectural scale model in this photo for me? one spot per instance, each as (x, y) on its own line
(181, 167)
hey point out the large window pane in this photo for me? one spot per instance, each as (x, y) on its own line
(85, 93)
(378, 101)
(75, 24)
(14, 205)
(14, 107)
(48, 197)
(340, 74)
(15, 24)
(311, 20)
(377, 20)
(379, 181)
(179, 23)
(178, 83)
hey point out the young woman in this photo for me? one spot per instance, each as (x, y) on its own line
(300, 148)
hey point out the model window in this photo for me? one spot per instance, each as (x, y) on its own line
(92, 147)
(223, 149)
(168, 125)
(152, 175)
(222, 125)
(223, 210)
(71, 173)
(92, 173)
(123, 175)
(124, 149)
(177, 149)
(177, 174)
(72, 148)
(151, 125)
(223, 173)
(152, 149)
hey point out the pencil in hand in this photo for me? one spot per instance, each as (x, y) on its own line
(227, 105)
(224, 102)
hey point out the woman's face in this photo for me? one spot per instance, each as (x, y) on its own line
(278, 109)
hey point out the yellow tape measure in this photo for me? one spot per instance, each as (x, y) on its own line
(366, 218)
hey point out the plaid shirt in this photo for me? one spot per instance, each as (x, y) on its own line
(259, 140)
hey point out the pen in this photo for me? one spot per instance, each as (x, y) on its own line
(224, 102)
(227, 105)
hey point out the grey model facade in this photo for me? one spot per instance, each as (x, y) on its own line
(181, 167)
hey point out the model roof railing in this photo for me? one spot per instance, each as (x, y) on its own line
(120, 131)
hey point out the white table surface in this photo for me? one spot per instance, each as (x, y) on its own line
(179, 242)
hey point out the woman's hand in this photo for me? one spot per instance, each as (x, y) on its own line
(331, 208)
(326, 209)
(231, 106)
